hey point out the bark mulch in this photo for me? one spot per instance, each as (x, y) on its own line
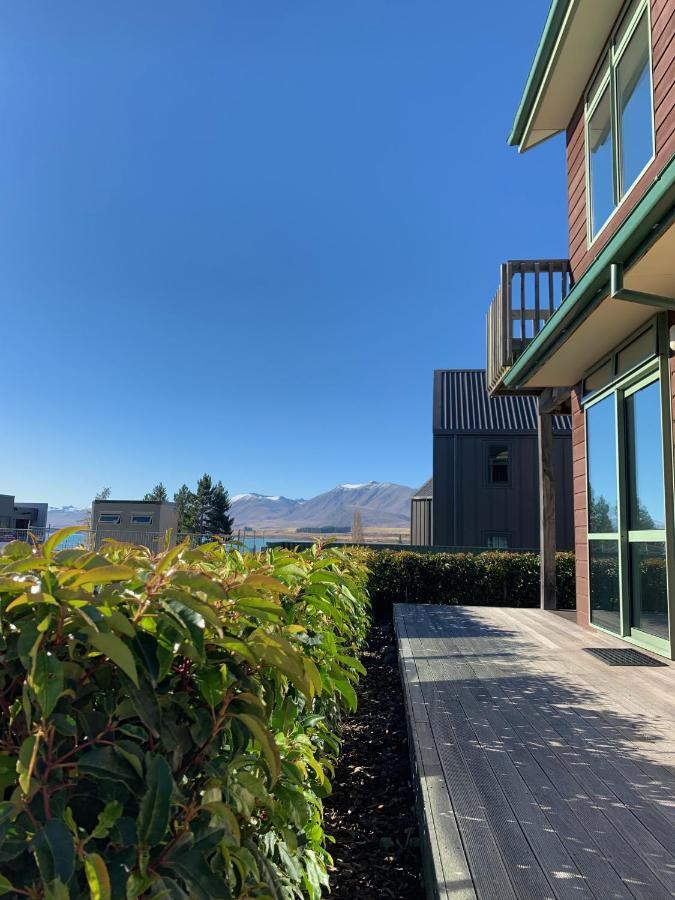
(371, 812)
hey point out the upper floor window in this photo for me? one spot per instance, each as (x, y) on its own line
(499, 464)
(141, 520)
(109, 518)
(619, 117)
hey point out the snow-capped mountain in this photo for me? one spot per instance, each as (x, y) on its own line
(250, 509)
(380, 504)
(62, 516)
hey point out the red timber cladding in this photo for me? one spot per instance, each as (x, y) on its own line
(580, 503)
(663, 63)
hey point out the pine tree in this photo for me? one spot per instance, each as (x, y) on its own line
(158, 494)
(103, 494)
(202, 503)
(219, 522)
(184, 500)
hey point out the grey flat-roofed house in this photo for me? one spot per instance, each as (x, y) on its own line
(421, 523)
(485, 481)
(134, 521)
(21, 516)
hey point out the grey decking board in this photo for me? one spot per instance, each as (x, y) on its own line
(513, 695)
(446, 869)
(617, 841)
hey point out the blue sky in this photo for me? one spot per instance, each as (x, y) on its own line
(238, 237)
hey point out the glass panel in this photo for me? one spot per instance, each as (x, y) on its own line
(601, 155)
(640, 350)
(601, 455)
(645, 459)
(599, 378)
(604, 584)
(649, 601)
(498, 464)
(634, 105)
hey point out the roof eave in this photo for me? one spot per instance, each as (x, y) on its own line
(556, 16)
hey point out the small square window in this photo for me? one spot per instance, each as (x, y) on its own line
(141, 520)
(497, 541)
(109, 519)
(499, 464)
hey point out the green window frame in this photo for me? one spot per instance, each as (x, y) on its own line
(621, 540)
(606, 112)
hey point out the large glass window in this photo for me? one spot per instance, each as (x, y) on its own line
(601, 161)
(602, 483)
(619, 118)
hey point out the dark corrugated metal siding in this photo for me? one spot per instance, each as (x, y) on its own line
(421, 521)
(462, 404)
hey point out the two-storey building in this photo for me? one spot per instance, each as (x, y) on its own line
(595, 334)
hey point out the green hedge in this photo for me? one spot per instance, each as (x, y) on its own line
(484, 579)
(169, 724)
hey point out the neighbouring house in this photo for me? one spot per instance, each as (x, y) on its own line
(143, 522)
(21, 516)
(421, 512)
(594, 334)
(485, 486)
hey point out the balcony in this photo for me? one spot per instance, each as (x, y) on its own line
(529, 292)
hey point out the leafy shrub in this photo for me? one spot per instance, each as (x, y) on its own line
(479, 579)
(169, 722)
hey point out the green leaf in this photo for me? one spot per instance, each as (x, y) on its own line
(107, 818)
(116, 650)
(5, 886)
(56, 890)
(347, 691)
(97, 877)
(47, 681)
(108, 765)
(155, 808)
(103, 575)
(119, 622)
(58, 538)
(26, 762)
(55, 851)
(211, 687)
(7, 773)
(267, 743)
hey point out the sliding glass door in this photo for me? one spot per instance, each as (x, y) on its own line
(627, 512)
(603, 515)
(646, 511)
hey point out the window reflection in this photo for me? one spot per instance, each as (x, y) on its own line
(634, 105)
(601, 454)
(645, 459)
(604, 584)
(601, 148)
(649, 594)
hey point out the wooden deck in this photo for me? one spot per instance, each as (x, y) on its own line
(541, 771)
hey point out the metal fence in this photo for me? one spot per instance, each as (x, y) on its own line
(155, 541)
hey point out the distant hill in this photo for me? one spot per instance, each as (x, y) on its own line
(62, 516)
(380, 503)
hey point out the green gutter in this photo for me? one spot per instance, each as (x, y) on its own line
(640, 229)
(554, 20)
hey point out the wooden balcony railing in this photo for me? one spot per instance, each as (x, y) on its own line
(529, 292)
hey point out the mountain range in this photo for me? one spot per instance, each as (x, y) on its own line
(381, 504)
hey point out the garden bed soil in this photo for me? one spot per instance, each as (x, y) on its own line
(371, 813)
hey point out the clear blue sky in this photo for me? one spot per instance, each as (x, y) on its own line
(238, 237)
